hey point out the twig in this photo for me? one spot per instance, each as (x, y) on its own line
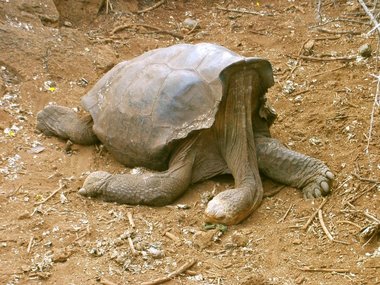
(193, 29)
(130, 219)
(159, 3)
(295, 94)
(298, 60)
(155, 29)
(338, 270)
(328, 71)
(175, 273)
(365, 179)
(372, 217)
(348, 58)
(340, 241)
(81, 236)
(14, 192)
(350, 223)
(319, 5)
(314, 214)
(172, 237)
(362, 193)
(285, 215)
(106, 3)
(105, 281)
(323, 225)
(375, 104)
(131, 245)
(341, 20)
(30, 244)
(338, 32)
(327, 38)
(61, 186)
(371, 16)
(243, 11)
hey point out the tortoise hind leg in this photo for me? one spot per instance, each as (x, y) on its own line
(64, 123)
(150, 188)
(292, 168)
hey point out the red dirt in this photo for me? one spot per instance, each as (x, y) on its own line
(49, 51)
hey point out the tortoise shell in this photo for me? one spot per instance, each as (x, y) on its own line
(143, 106)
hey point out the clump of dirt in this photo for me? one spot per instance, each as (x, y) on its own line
(325, 94)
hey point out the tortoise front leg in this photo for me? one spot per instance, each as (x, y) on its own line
(64, 123)
(292, 168)
(150, 188)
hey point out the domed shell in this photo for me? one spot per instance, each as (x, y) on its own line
(142, 106)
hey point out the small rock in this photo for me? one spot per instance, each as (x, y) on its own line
(50, 85)
(61, 255)
(67, 24)
(298, 99)
(182, 206)
(308, 47)
(82, 82)
(239, 239)
(315, 141)
(155, 252)
(25, 268)
(36, 149)
(190, 23)
(365, 50)
(297, 241)
(300, 279)
(68, 146)
(62, 198)
(256, 280)
(289, 87)
(203, 240)
(25, 215)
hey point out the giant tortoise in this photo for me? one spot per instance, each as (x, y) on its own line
(188, 113)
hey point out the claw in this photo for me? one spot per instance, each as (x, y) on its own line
(94, 183)
(330, 175)
(317, 193)
(325, 186)
(308, 195)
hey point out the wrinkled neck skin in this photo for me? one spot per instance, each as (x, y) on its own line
(234, 134)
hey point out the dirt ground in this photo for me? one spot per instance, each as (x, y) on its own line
(324, 95)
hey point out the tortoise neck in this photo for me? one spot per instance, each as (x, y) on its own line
(234, 130)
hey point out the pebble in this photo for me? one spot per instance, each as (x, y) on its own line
(365, 50)
(297, 241)
(239, 239)
(298, 99)
(24, 215)
(308, 47)
(155, 252)
(190, 23)
(202, 240)
(67, 24)
(300, 279)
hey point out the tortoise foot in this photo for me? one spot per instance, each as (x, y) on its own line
(319, 184)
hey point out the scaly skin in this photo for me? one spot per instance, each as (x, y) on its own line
(292, 168)
(150, 188)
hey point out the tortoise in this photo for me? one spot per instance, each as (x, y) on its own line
(187, 113)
